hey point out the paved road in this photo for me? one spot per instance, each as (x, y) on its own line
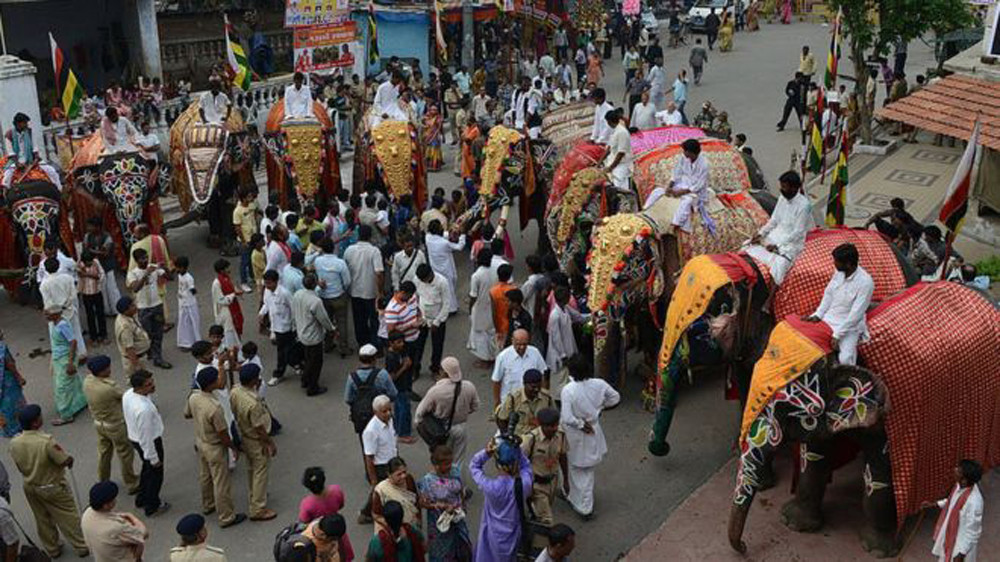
(634, 493)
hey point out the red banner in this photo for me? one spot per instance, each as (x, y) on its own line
(323, 47)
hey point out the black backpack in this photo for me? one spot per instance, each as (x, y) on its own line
(285, 536)
(361, 408)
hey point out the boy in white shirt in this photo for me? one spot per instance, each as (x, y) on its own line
(188, 318)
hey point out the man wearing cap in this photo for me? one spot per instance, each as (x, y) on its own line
(311, 323)
(104, 398)
(512, 363)
(193, 548)
(526, 401)
(112, 536)
(41, 461)
(212, 440)
(254, 422)
(545, 447)
(438, 401)
(132, 340)
(145, 431)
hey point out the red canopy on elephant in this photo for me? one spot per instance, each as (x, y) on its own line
(936, 347)
(802, 290)
(583, 155)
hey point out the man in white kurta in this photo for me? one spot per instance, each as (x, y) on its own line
(223, 317)
(386, 103)
(118, 133)
(562, 342)
(298, 99)
(214, 106)
(21, 153)
(523, 103)
(783, 238)
(439, 252)
(845, 302)
(618, 163)
(601, 131)
(670, 116)
(583, 399)
(690, 183)
(966, 504)
(512, 363)
(59, 291)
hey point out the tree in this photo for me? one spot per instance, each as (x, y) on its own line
(896, 19)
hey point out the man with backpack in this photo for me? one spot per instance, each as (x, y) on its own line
(363, 385)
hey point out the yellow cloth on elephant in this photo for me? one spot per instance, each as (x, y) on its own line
(789, 354)
(696, 285)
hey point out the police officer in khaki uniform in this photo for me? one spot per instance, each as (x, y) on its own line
(211, 436)
(132, 340)
(254, 423)
(41, 461)
(545, 446)
(192, 530)
(527, 401)
(104, 398)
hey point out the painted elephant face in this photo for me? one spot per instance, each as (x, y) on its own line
(205, 149)
(125, 184)
(34, 206)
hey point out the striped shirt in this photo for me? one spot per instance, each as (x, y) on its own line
(400, 316)
(91, 285)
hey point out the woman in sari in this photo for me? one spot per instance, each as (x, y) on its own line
(595, 70)
(395, 540)
(726, 32)
(398, 487)
(11, 395)
(433, 124)
(67, 386)
(753, 16)
(442, 495)
(469, 137)
(786, 12)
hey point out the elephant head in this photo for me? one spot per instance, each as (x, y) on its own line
(199, 151)
(125, 184)
(826, 400)
(572, 214)
(34, 207)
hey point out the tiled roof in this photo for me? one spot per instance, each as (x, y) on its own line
(950, 106)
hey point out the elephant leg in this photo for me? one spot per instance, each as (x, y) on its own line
(804, 513)
(878, 536)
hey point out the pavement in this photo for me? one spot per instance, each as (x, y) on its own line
(635, 493)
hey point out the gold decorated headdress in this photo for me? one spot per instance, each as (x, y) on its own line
(497, 150)
(394, 150)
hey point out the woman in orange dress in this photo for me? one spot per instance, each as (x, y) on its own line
(469, 136)
(595, 70)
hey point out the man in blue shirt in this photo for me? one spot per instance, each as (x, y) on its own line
(334, 281)
(293, 273)
(681, 93)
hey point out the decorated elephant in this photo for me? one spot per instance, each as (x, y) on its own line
(940, 379)
(303, 166)
(715, 318)
(123, 189)
(390, 156)
(635, 256)
(32, 211)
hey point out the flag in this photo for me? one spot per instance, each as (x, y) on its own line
(956, 202)
(833, 57)
(836, 203)
(72, 95)
(816, 147)
(239, 65)
(373, 55)
(442, 46)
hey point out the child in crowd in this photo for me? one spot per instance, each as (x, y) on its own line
(188, 318)
(250, 355)
(383, 330)
(292, 223)
(102, 246)
(258, 260)
(458, 203)
(399, 366)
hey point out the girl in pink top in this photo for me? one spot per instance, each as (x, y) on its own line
(323, 500)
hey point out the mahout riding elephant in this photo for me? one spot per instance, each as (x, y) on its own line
(635, 256)
(716, 320)
(207, 159)
(926, 396)
(390, 158)
(32, 211)
(303, 166)
(123, 189)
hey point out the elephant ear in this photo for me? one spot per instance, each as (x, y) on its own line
(857, 398)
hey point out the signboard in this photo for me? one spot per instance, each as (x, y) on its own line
(300, 13)
(537, 10)
(324, 47)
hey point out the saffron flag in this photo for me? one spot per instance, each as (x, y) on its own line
(956, 202)
(373, 55)
(72, 95)
(833, 57)
(239, 65)
(836, 203)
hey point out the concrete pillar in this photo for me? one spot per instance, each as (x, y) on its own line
(18, 95)
(468, 36)
(149, 36)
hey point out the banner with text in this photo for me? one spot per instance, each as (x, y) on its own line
(323, 47)
(300, 13)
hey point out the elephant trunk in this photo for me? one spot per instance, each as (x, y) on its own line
(667, 404)
(737, 521)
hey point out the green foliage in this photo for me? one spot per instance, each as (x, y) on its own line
(907, 19)
(989, 266)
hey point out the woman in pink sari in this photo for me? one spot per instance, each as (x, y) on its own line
(595, 70)
(786, 12)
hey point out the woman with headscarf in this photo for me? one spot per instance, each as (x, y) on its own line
(11, 394)
(501, 526)
(394, 540)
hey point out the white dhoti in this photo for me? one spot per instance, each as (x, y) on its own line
(188, 325)
(452, 282)
(777, 264)
(53, 175)
(682, 216)
(847, 352)
(111, 294)
(482, 344)
(581, 488)
(457, 440)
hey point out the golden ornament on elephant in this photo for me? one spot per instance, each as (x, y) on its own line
(498, 148)
(617, 234)
(577, 195)
(302, 141)
(394, 150)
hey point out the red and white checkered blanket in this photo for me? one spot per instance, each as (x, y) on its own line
(936, 347)
(803, 287)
